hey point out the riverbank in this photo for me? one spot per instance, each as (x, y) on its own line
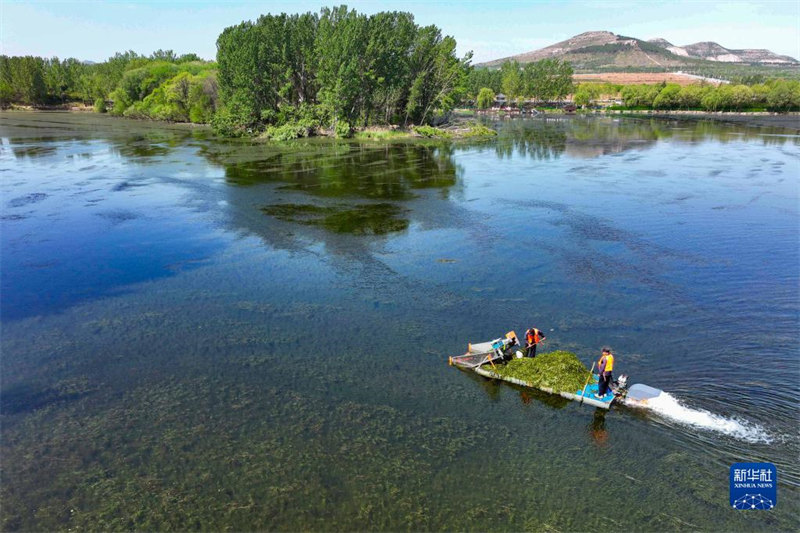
(789, 120)
(67, 106)
(463, 124)
(458, 128)
(763, 118)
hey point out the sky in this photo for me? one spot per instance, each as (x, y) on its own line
(95, 30)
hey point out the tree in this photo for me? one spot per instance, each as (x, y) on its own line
(188, 58)
(640, 95)
(164, 55)
(391, 40)
(741, 97)
(717, 100)
(338, 66)
(27, 81)
(243, 91)
(439, 76)
(668, 97)
(690, 96)
(480, 77)
(548, 79)
(485, 98)
(341, 47)
(784, 96)
(583, 96)
(512, 82)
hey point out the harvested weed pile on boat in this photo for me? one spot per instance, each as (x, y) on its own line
(561, 371)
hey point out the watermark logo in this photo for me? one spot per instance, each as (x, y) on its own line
(753, 486)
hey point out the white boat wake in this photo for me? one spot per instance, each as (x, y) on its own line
(671, 408)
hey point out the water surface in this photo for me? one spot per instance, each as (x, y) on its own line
(210, 334)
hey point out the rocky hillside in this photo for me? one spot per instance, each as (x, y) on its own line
(603, 50)
(711, 51)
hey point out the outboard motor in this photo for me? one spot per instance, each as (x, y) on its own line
(619, 385)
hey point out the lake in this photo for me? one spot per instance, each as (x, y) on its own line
(200, 333)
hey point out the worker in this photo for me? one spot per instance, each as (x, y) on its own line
(605, 366)
(532, 337)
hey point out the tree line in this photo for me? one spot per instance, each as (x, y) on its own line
(545, 80)
(338, 68)
(287, 76)
(162, 86)
(774, 95)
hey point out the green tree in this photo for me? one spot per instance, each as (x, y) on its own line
(341, 47)
(784, 96)
(719, 99)
(391, 39)
(690, 96)
(480, 77)
(343, 66)
(548, 79)
(188, 58)
(164, 55)
(741, 97)
(640, 95)
(485, 98)
(512, 81)
(583, 96)
(668, 97)
(760, 94)
(244, 91)
(439, 76)
(28, 80)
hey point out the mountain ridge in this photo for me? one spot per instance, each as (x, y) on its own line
(604, 49)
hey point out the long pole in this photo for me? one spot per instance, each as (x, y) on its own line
(587, 381)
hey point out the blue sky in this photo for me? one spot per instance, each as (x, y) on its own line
(92, 30)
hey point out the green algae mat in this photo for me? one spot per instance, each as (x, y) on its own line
(560, 370)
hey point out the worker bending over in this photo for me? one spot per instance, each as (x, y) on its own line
(532, 337)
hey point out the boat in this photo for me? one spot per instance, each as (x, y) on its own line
(483, 358)
(488, 352)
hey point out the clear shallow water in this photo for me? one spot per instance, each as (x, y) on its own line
(208, 334)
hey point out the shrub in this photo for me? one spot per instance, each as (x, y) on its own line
(479, 130)
(381, 134)
(224, 122)
(431, 132)
(343, 130)
(100, 105)
(287, 132)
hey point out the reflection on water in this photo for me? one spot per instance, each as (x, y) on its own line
(597, 427)
(368, 219)
(207, 334)
(590, 137)
(391, 172)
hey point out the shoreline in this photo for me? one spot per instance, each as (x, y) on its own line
(789, 120)
(455, 127)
